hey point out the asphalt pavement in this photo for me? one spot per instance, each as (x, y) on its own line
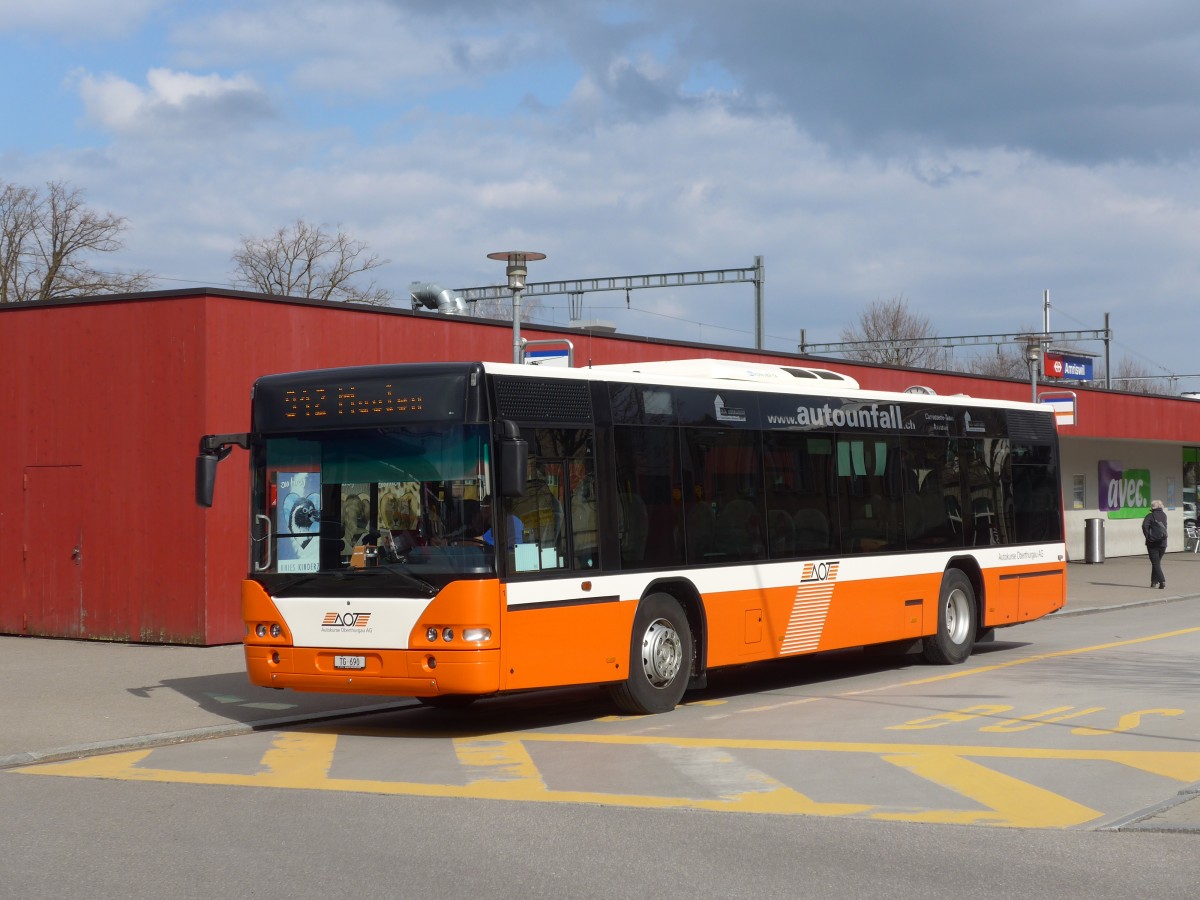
(66, 699)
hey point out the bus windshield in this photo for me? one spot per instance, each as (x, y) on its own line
(406, 499)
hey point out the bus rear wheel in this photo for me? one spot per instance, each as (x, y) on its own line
(955, 636)
(660, 658)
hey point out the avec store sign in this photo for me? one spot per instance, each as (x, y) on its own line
(1124, 493)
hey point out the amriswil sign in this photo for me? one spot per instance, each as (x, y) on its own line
(1073, 368)
(1124, 493)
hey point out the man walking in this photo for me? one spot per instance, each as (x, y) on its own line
(1154, 527)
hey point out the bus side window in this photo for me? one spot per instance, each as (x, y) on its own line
(932, 511)
(648, 517)
(798, 493)
(869, 494)
(987, 466)
(723, 469)
(558, 511)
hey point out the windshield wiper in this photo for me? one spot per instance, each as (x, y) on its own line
(392, 569)
(294, 581)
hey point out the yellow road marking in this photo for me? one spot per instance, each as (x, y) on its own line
(299, 757)
(1041, 657)
(499, 767)
(502, 768)
(1024, 723)
(1127, 722)
(1008, 801)
(952, 717)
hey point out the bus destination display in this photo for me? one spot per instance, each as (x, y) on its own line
(349, 400)
(301, 401)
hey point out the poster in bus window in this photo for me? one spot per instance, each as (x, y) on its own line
(299, 522)
(400, 505)
(356, 514)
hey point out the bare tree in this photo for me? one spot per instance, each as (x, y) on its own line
(44, 239)
(888, 329)
(1137, 378)
(304, 260)
(1007, 361)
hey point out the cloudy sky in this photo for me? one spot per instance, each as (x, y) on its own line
(965, 156)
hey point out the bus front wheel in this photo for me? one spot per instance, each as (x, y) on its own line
(660, 658)
(956, 621)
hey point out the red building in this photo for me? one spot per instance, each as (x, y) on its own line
(100, 537)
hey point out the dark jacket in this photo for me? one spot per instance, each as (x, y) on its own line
(1161, 516)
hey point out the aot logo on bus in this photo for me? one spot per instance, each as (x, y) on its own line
(346, 620)
(819, 571)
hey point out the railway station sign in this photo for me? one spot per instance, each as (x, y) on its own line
(1071, 368)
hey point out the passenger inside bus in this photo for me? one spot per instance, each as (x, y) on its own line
(482, 526)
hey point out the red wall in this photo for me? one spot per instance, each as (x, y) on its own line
(104, 402)
(101, 405)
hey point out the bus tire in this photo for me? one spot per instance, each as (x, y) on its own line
(956, 624)
(660, 658)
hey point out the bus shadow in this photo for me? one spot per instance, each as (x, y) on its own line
(229, 697)
(573, 706)
(824, 668)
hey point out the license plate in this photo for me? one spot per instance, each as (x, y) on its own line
(349, 662)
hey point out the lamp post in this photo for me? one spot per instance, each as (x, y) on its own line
(516, 270)
(1033, 352)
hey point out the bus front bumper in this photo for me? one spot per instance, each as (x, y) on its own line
(401, 673)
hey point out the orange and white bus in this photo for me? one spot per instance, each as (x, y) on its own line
(455, 530)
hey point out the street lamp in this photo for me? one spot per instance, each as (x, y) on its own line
(516, 271)
(1033, 352)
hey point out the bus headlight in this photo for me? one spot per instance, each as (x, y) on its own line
(431, 634)
(447, 634)
(262, 629)
(477, 634)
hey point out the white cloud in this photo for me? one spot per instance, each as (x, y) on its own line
(708, 190)
(1086, 82)
(430, 156)
(360, 46)
(171, 101)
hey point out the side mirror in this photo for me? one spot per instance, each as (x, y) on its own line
(514, 461)
(213, 449)
(206, 478)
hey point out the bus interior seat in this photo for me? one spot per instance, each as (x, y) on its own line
(701, 527)
(781, 533)
(633, 527)
(733, 528)
(812, 530)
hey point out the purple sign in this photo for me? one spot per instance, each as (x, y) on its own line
(1124, 493)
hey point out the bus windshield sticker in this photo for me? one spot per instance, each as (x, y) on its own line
(299, 522)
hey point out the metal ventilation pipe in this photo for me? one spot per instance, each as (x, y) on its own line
(434, 296)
